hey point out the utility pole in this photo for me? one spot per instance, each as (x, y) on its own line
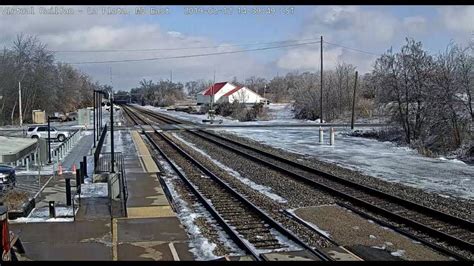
(212, 90)
(171, 76)
(211, 110)
(321, 98)
(19, 100)
(110, 69)
(353, 101)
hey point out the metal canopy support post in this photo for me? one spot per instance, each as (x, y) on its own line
(95, 114)
(112, 157)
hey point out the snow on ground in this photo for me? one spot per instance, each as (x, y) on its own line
(94, 190)
(290, 245)
(279, 113)
(383, 160)
(38, 215)
(257, 187)
(201, 248)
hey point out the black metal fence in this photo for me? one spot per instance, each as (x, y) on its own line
(98, 149)
(117, 183)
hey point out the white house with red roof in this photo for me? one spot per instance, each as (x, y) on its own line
(227, 92)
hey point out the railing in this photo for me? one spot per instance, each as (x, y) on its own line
(98, 149)
(60, 151)
(117, 183)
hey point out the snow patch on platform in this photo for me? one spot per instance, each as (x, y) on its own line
(94, 190)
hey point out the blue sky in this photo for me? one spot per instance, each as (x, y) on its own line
(369, 28)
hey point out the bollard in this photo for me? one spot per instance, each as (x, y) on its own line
(84, 160)
(28, 163)
(81, 168)
(52, 210)
(3, 224)
(321, 135)
(68, 191)
(332, 138)
(78, 181)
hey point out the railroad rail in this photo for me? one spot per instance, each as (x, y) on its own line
(248, 226)
(445, 227)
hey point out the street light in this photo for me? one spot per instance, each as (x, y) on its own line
(49, 139)
(111, 104)
(95, 114)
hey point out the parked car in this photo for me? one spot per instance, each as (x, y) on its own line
(7, 177)
(42, 132)
(116, 107)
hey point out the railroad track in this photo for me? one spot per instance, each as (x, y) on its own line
(451, 230)
(249, 226)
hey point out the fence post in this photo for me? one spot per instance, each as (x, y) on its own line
(84, 160)
(78, 181)
(321, 135)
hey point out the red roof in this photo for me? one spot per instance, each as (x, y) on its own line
(232, 91)
(214, 90)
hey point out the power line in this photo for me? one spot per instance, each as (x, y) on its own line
(191, 56)
(174, 49)
(353, 49)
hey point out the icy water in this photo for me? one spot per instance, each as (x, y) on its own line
(380, 159)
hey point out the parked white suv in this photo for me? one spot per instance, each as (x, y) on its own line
(42, 132)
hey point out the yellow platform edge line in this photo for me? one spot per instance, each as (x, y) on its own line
(148, 164)
(150, 212)
(114, 240)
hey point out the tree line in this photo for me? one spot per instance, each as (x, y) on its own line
(45, 84)
(429, 96)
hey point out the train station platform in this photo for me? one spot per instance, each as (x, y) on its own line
(151, 230)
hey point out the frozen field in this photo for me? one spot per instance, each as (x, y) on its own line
(380, 159)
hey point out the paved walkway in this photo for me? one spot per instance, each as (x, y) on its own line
(89, 237)
(82, 148)
(150, 232)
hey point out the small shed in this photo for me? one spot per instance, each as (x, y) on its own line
(39, 117)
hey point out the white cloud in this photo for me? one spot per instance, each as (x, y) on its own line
(458, 18)
(415, 24)
(83, 32)
(350, 26)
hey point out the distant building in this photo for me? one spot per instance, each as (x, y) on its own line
(227, 92)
